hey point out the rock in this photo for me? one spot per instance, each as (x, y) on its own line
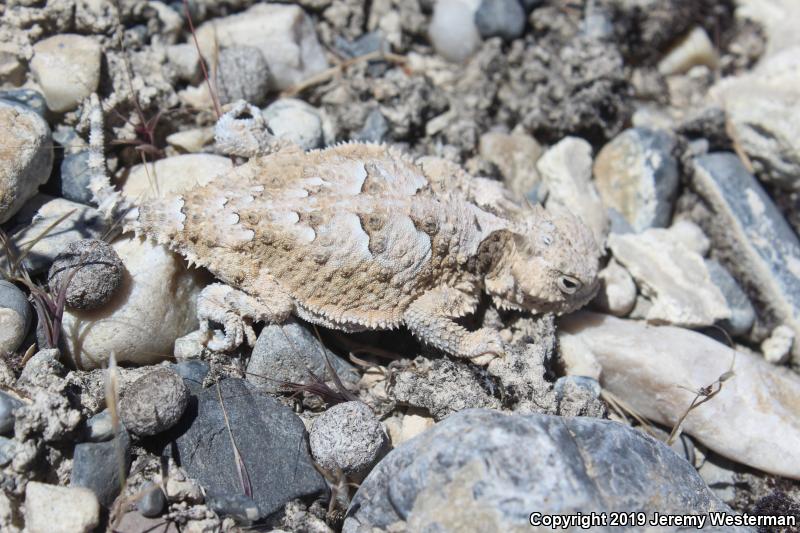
(269, 437)
(173, 175)
(347, 437)
(75, 176)
(481, 470)
(242, 74)
(500, 18)
(152, 502)
(647, 366)
(760, 106)
(142, 320)
(672, 276)
(133, 522)
(193, 373)
(287, 352)
(777, 17)
(283, 34)
(8, 404)
(566, 170)
(375, 128)
(695, 48)
(296, 121)
(28, 98)
(617, 293)
(26, 157)
(237, 506)
(96, 466)
(67, 68)
(515, 155)
(778, 346)
(100, 427)
(690, 235)
(579, 396)
(742, 313)
(637, 175)
(751, 239)
(153, 403)
(452, 30)
(192, 140)
(54, 509)
(77, 221)
(15, 317)
(93, 271)
(184, 60)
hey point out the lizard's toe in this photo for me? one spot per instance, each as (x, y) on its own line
(483, 346)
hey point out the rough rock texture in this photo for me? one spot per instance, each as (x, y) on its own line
(67, 68)
(485, 471)
(242, 74)
(647, 366)
(153, 403)
(54, 509)
(617, 293)
(347, 437)
(15, 317)
(93, 269)
(26, 156)
(96, 466)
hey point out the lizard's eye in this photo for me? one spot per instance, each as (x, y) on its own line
(568, 284)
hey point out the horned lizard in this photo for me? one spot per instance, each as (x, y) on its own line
(359, 236)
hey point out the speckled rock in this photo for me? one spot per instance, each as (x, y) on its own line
(54, 509)
(242, 74)
(93, 270)
(500, 18)
(67, 68)
(347, 437)
(481, 470)
(637, 175)
(15, 317)
(26, 156)
(153, 403)
(296, 121)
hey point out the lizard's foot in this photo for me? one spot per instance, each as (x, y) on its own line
(481, 346)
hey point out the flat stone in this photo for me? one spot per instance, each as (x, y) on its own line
(96, 466)
(270, 438)
(481, 470)
(54, 509)
(242, 74)
(751, 239)
(67, 68)
(91, 270)
(752, 420)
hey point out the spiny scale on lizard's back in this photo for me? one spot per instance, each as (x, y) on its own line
(353, 233)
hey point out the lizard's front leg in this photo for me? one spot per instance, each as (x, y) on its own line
(236, 311)
(431, 318)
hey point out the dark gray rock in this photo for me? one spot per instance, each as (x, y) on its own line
(243, 74)
(348, 437)
(43, 370)
(270, 438)
(375, 128)
(15, 317)
(152, 502)
(742, 313)
(751, 239)
(97, 466)
(238, 506)
(27, 97)
(153, 403)
(287, 352)
(497, 468)
(100, 427)
(7, 406)
(637, 175)
(96, 272)
(193, 373)
(75, 177)
(500, 18)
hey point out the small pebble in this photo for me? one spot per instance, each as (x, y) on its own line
(152, 502)
(67, 68)
(15, 317)
(500, 18)
(242, 74)
(154, 403)
(7, 406)
(453, 32)
(100, 427)
(54, 509)
(617, 294)
(75, 177)
(347, 437)
(743, 315)
(97, 273)
(295, 120)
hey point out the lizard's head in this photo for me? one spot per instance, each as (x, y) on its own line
(550, 264)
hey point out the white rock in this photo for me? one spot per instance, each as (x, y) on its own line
(173, 175)
(566, 170)
(296, 121)
(54, 509)
(778, 346)
(778, 18)
(26, 156)
(691, 236)
(67, 68)
(154, 306)
(674, 277)
(414, 425)
(693, 49)
(452, 31)
(192, 140)
(752, 420)
(617, 294)
(283, 33)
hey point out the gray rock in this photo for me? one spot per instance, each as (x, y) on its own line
(26, 159)
(154, 402)
(152, 502)
(8, 404)
(100, 427)
(637, 175)
(375, 128)
(500, 18)
(238, 506)
(8, 448)
(742, 313)
(348, 437)
(579, 396)
(75, 177)
(498, 469)
(27, 97)
(243, 74)
(269, 437)
(751, 239)
(15, 317)
(366, 44)
(193, 373)
(97, 466)
(296, 121)
(96, 272)
(287, 352)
